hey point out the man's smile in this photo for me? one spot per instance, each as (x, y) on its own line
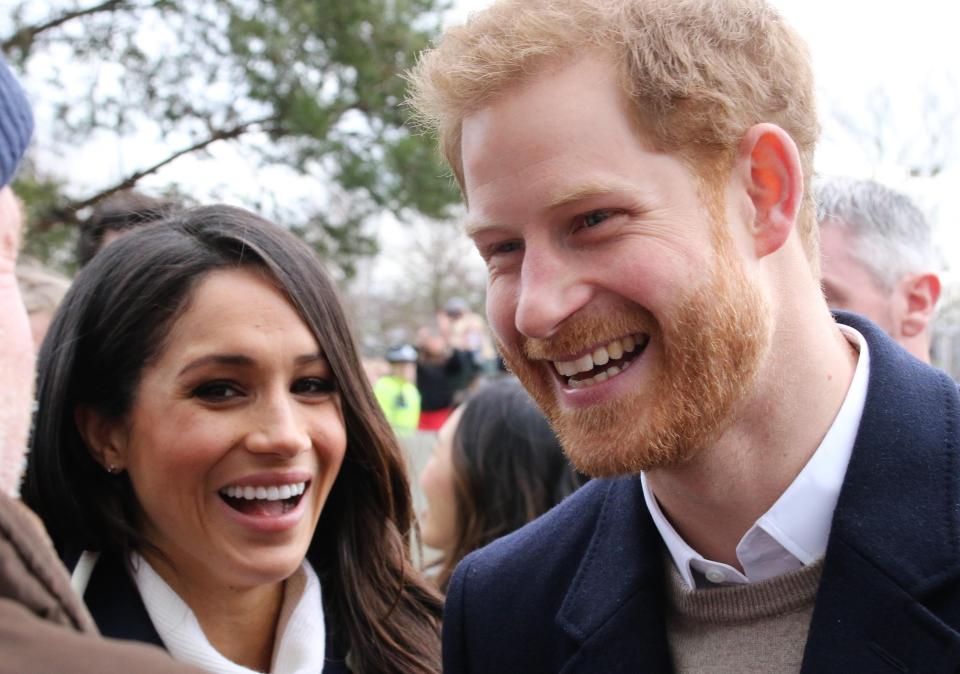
(603, 362)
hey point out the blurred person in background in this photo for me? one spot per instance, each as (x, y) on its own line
(466, 331)
(878, 259)
(375, 367)
(115, 216)
(211, 462)
(443, 373)
(44, 626)
(396, 391)
(496, 465)
(43, 290)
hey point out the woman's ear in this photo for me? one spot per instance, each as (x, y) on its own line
(773, 177)
(103, 437)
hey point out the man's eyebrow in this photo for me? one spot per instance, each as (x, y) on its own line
(582, 192)
(579, 193)
(473, 226)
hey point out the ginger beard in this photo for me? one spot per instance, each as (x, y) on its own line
(709, 351)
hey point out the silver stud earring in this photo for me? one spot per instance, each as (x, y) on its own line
(113, 470)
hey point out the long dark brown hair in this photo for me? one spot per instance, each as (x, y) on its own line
(114, 321)
(508, 469)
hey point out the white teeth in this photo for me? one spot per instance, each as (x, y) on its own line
(600, 357)
(615, 349)
(271, 493)
(613, 371)
(584, 363)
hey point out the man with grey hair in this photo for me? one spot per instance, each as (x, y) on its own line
(879, 259)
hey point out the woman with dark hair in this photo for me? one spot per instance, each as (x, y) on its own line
(208, 456)
(496, 466)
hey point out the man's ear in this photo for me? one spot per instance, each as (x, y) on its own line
(920, 293)
(769, 165)
(102, 436)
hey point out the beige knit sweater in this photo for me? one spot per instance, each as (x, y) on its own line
(759, 627)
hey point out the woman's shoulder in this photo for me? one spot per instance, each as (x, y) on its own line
(115, 602)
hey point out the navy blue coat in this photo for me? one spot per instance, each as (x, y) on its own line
(581, 590)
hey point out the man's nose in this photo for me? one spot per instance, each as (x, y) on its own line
(551, 290)
(278, 428)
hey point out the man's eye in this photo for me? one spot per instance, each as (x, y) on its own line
(313, 386)
(217, 391)
(505, 248)
(595, 218)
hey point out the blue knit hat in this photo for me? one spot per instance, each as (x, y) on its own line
(16, 123)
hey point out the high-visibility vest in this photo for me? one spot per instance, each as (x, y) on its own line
(400, 401)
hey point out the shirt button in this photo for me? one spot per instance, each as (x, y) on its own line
(716, 576)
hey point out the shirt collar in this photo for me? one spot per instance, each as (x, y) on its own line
(794, 531)
(299, 648)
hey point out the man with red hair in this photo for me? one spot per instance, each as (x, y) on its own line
(777, 488)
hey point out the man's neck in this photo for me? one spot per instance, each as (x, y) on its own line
(714, 499)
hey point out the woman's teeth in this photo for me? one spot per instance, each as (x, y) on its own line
(271, 493)
(622, 350)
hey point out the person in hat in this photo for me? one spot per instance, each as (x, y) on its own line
(396, 392)
(44, 626)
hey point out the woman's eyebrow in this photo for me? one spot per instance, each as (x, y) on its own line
(239, 360)
(309, 358)
(236, 360)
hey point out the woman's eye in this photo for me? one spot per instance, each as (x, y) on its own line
(217, 391)
(313, 386)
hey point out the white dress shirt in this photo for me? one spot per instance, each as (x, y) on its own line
(794, 531)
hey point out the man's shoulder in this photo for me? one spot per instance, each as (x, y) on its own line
(537, 564)
(535, 594)
(567, 526)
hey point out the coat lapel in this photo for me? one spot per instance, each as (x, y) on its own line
(116, 605)
(891, 582)
(614, 607)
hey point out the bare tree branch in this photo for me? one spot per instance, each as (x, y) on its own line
(68, 213)
(23, 39)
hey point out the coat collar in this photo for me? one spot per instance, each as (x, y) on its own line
(906, 450)
(617, 594)
(893, 558)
